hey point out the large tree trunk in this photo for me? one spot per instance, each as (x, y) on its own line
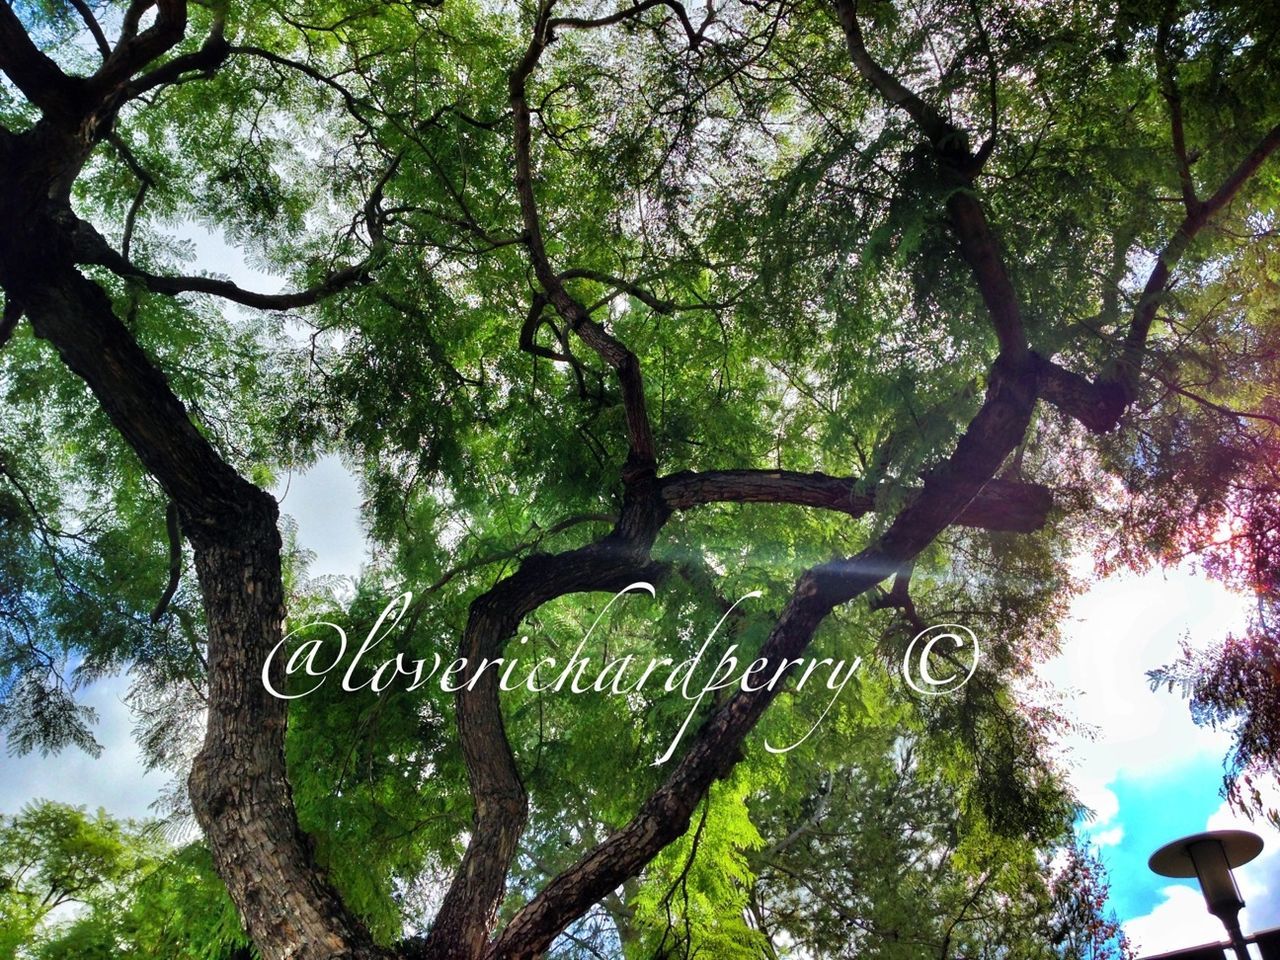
(239, 788)
(238, 784)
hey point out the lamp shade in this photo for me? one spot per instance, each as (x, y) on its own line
(1210, 858)
(1174, 859)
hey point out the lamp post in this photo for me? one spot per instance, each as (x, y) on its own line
(1210, 858)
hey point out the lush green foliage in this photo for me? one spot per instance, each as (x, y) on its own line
(80, 887)
(771, 241)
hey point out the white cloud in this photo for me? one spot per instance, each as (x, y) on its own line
(1117, 631)
(1179, 921)
(1110, 837)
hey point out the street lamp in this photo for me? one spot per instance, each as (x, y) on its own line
(1210, 858)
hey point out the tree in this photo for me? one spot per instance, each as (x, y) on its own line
(55, 855)
(133, 896)
(914, 289)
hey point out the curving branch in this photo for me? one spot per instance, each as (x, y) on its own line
(135, 50)
(645, 296)
(643, 453)
(1216, 407)
(35, 74)
(200, 62)
(991, 436)
(949, 491)
(92, 248)
(958, 166)
(1099, 403)
(1153, 292)
(469, 910)
(941, 133)
(694, 36)
(349, 99)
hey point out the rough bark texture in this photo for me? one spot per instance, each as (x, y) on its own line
(999, 505)
(238, 784)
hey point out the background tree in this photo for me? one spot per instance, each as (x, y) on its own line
(122, 890)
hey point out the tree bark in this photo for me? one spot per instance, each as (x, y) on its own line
(238, 786)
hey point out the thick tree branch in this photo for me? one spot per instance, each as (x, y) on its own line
(609, 565)
(695, 37)
(948, 491)
(1097, 404)
(135, 50)
(337, 281)
(469, 909)
(941, 133)
(210, 55)
(957, 166)
(36, 75)
(609, 348)
(992, 435)
(467, 915)
(999, 505)
(238, 785)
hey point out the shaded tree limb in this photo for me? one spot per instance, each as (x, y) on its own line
(1153, 291)
(1173, 97)
(36, 75)
(958, 167)
(92, 248)
(1099, 403)
(135, 50)
(174, 530)
(999, 505)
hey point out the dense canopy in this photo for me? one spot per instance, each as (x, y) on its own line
(883, 314)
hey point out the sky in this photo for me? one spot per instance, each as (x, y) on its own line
(1149, 774)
